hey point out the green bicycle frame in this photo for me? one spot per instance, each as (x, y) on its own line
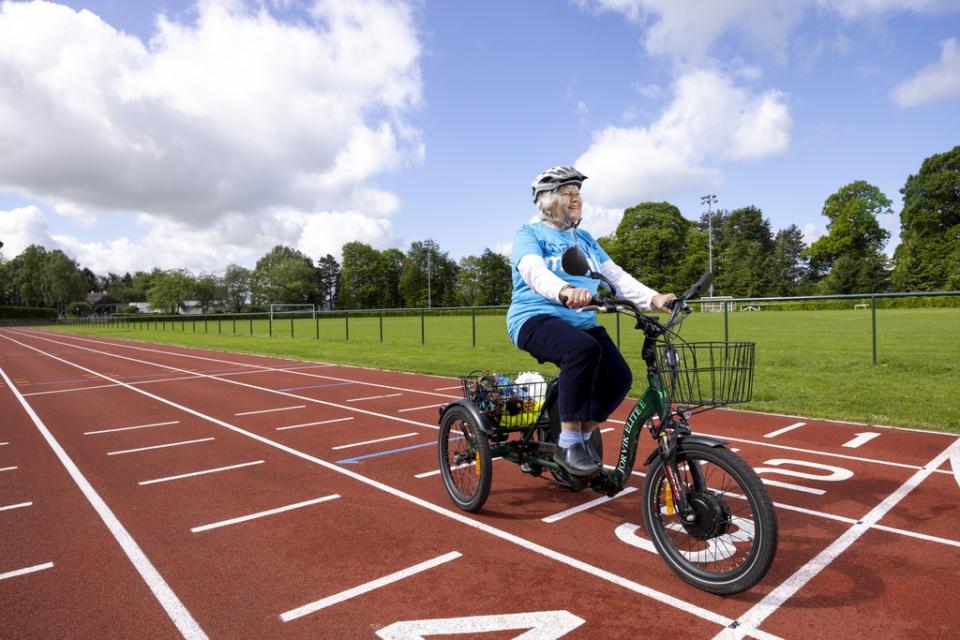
(653, 402)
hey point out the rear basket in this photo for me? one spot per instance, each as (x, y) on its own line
(509, 401)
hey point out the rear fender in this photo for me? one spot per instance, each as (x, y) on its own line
(477, 415)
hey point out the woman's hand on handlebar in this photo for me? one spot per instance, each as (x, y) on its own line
(661, 302)
(575, 297)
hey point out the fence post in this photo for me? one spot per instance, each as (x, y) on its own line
(381, 325)
(316, 322)
(251, 325)
(726, 328)
(291, 326)
(473, 322)
(346, 324)
(873, 317)
(219, 327)
(270, 325)
(422, 335)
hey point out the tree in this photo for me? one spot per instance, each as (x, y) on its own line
(236, 286)
(496, 279)
(62, 282)
(328, 273)
(359, 277)
(928, 257)
(208, 289)
(284, 275)
(468, 281)
(170, 289)
(747, 254)
(426, 260)
(855, 235)
(789, 265)
(390, 268)
(650, 243)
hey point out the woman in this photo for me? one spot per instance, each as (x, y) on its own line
(543, 318)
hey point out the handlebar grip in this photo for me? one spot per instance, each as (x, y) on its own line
(699, 287)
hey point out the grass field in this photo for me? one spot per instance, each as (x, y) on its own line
(810, 363)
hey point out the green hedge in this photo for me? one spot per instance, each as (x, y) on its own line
(27, 313)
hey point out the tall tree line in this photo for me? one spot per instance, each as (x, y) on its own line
(653, 241)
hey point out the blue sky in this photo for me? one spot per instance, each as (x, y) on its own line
(209, 134)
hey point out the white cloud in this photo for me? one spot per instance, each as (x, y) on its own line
(170, 244)
(709, 119)
(235, 115)
(812, 232)
(686, 31)
(599, 221)
(854, 9)
(937, 81)
(22, 227)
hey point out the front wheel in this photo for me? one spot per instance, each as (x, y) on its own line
(465, 464)
(729, 542)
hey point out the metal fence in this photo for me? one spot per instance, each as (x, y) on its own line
(447, 325)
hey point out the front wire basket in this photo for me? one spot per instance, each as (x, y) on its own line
(706, 374)
(509, 401)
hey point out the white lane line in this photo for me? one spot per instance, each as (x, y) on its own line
(9, 468)
(360, 444)
(435, 472)
(774, 434)
(47, 393)
(753, 618)
(2, 444)
(178, 613)
(586, 505)
(456, 386)
(139, 426)
(263, 514)
(11, 507)
(26, 570)
(523, 543)
(389, 395)
(314, 424)
(367, 587)
(426, 406)
(607, 430)
(159, 446)
(253, 413)
(955, 465)
(200, 473)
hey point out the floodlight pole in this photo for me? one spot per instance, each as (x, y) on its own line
(709, 200)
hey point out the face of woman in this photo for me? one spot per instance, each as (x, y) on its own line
(570, 199)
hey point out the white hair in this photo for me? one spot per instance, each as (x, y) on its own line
(545, 202)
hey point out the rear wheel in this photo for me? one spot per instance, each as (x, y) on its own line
(465, 464)
(728, 544)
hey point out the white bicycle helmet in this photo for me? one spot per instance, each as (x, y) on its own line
(554, 178)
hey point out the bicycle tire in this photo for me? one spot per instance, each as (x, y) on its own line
(465, 463)
(735, 520)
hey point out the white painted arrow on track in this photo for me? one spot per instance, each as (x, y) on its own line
(540, 625)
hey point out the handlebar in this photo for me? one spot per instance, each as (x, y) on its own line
(678, 307)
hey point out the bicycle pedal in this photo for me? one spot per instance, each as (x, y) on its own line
(533, 469)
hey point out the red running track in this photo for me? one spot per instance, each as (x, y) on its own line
(157, 491)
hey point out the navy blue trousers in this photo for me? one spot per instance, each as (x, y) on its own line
(594, 377)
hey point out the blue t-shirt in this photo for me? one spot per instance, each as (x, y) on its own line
(549, 242)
